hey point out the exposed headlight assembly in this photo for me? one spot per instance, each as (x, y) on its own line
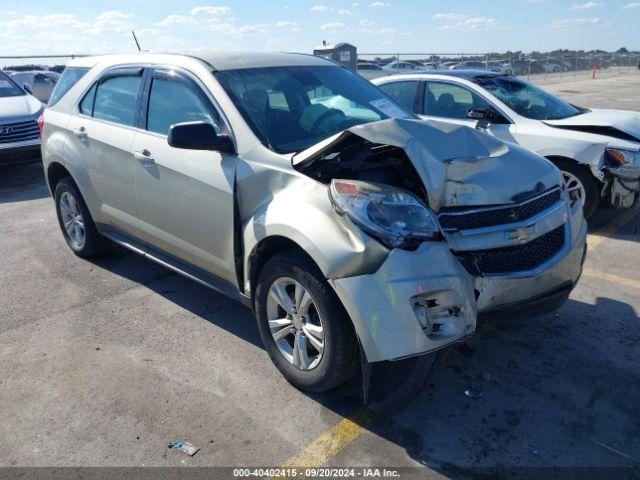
(394, 216)
(615, 158)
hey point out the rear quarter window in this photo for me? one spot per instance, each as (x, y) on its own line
(68, 79)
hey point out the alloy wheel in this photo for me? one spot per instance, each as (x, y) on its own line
(295, 323)
(72, 220)
(574, 185)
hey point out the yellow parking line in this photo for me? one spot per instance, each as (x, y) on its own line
(596, 238)
(333, 441)
(629, 282)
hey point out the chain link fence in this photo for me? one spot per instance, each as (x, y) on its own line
(532, 66)
(535, 66)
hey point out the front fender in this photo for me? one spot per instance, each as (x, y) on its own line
(301, 211)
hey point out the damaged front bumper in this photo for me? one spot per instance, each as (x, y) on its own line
(624, 186)
(420, 301)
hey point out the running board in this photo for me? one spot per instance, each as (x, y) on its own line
(193, 273)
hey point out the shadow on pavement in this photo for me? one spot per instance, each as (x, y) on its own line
(546, 391)
(22, 182)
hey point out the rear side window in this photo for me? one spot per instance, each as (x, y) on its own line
(402, 92)
(117, 99)
(176, 100)
(68, 79)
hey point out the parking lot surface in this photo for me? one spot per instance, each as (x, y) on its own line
(105, 362)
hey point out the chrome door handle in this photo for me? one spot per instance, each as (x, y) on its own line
(81, 133)
(144, 157)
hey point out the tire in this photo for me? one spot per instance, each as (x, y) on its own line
(589, 183)
(69, 203)
(338, 360)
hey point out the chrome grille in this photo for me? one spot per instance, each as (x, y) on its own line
(489, 217)
(518, 258)
(19, 131)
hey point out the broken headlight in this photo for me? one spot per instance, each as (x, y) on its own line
(615, 157)
(394, 216)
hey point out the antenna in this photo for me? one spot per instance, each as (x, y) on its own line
(136, 40)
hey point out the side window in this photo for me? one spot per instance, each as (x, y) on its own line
(69, 78)
(402, 92)
(116, 99)
(176, 100)
(450, 101)
(86, 105)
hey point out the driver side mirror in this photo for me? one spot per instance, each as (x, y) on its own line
(27, 88)
(488, 115)
(199, 136)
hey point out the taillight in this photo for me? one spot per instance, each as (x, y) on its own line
(41, 125)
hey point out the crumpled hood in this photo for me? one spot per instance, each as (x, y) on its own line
(624, 121)
(459, 166)
(16, 107)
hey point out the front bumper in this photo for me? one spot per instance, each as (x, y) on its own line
(419, 301)
(20, 152)
(624, 186)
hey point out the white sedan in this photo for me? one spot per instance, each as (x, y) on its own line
(598, 151)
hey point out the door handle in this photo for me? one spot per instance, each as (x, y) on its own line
(144, 157)
(81, 133)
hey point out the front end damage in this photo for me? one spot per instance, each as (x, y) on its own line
(510, 238)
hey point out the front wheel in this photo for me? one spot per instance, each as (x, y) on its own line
(580, 183)
(303, 325)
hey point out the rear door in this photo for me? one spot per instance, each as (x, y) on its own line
(101, 136)
(185, 198)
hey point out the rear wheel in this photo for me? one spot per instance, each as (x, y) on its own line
(75, 221)
(580, 183)
(303, 325)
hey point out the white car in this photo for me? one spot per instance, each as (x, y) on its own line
(19, 131)
(598, 151)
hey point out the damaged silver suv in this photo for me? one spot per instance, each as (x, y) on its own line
(297, 187)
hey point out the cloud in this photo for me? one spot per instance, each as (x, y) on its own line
(334, 26)
(575, 22)
(364, 22)
(378, 4)
(631, 5)
(112, 21)
(319, 8)
(208, 10)
(465, 22)
(586, 6)
(344, 11)
(173, 20)
(286, 24)
(66, 20)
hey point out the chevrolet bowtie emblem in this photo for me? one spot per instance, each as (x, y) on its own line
(522, 234)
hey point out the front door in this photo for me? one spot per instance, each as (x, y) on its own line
(184, 197)
(450, 102)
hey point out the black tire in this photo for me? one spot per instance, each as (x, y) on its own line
(94, 243)
(591, 186)
(339, 360)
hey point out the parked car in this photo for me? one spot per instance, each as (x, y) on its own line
(596, 150)
(19, 132)
(298, 188)
(368, 66)
(41, 83)
(469, 65)
(401, 66)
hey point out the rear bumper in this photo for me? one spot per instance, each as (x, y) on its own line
(20, 152)
(424, 300)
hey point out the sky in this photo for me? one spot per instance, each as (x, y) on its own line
(32, 27)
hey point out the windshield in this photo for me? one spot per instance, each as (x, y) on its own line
(292, 108)
(528, 100)
(8, 87)
(67, 80)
